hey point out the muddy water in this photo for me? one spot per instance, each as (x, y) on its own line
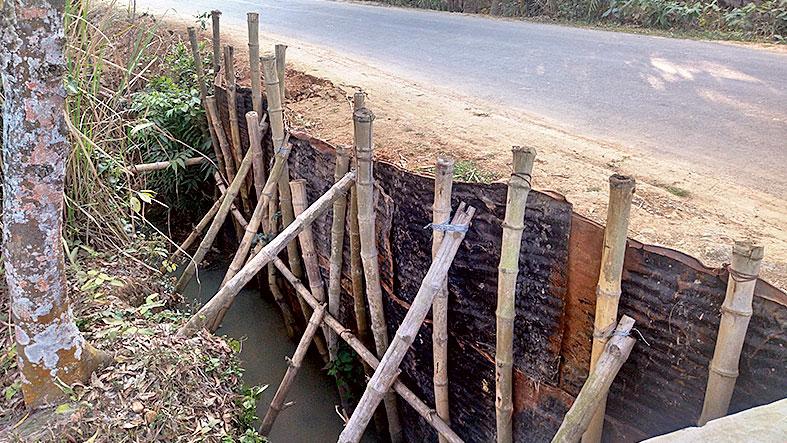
(257, 321)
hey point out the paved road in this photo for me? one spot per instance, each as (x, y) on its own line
(717, 105)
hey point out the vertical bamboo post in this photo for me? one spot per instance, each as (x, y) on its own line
(294, 364)
(736, 312)
(441, 213)
(300, 202)
(258, 166)
(337, 247)
(281, 69)
(385, 374)
(621, 191)
(278, 295)
(232, 108)
(356, 265)
(255, 146)
(203, 94)
(213, 112)
(508, 269)
(214, 16)
(362, 122)
(596, 387)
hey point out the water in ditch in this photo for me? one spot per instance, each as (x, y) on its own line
(313, 417)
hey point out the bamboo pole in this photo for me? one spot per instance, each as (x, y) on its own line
(368, 357)
(621, 191)
(294, 364)
(232, 108)
(203, 94)
(281, 55)
(211, 314)
(255, 146)
(736, 312)
(362, 122)
(253, 21)
(240, 221)
(337, 247)
(594, 391)
(356, 265)
(214, 16)
(197, 230)
(215, 226)
(278, 295)
(441, 213)
(158, 166)
(213, 112)
(508, 269)
(300, 202)
(385, 374)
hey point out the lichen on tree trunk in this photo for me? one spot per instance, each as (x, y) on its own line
(32, 64)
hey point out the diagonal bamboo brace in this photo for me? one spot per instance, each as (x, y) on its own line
(211, 314)
(388, 369)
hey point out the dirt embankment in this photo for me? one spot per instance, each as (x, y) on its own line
(677, 205)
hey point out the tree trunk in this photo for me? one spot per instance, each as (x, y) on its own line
(32, 65)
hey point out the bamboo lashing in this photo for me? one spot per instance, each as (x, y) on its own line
(226, 153)
(232, 108)
(621, 191)
(197, 230)
(736, 311)
(158, 166)
(214, 17)
(385, 374)
(337, 247)
(594, 391)
(211, 314)
(508, 269)
(368, 357)
(441, 213)
(293, 365)
(300, 202)
(362, 122)
(203, 94)
(215, 226)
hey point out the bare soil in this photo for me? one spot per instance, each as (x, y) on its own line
(682, 206)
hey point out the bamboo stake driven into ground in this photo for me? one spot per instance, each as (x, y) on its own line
(621, 191)
(255, 134)
(215, 16)
(278, 295)
(594, 391)
(362, 122)
(211, 314)
(356, 264)
(281, 64)
(215, 226)
(736, 312)
(256, 129)
(226, 153)
(385, 374)
(232, 108)
(300, 202)
(516, 202)
(197, 231)
(337, 247)
(203, 94)
(293, 365)
(239, 221)
(369, 359)
(441, 213)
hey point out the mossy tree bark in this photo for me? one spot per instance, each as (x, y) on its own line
(50, 347)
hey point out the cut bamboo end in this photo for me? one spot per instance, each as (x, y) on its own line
(736, 310)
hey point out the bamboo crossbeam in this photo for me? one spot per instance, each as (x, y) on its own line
(736, 312)
(369, 358)
(594, 391)
(197, 230)
(214, 16)
(226, 153)
(294, 364)
(215, 226)
(508, 269)
(203, 94)
(158, 166)
(362, 123)
(337, 247)
(211, 314)
(385, 374)
(232, 108)
(300, 202)
(441, 213)
(621, 191)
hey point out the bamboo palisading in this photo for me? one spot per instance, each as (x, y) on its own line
(215, 16)
(621, 191)
(514, 224)
(385, 374)
(736, 311)
(294, 364)
(594, 391)
(215, 226)
(197, 231)
(300, 202)
(232, 108)
(226, 154)
(203, 94)
(337, 247)
(362, 121)
(368, 357)
(211, 314)
(441, 213)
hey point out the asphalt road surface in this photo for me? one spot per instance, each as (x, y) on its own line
(713, 105)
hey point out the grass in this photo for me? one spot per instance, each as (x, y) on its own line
(676, 191)
(468, 171)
